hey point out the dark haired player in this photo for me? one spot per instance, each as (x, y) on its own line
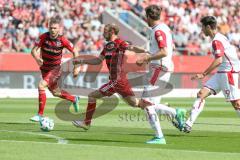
(51, 45)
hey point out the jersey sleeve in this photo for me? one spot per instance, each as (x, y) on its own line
(39, 41)
(218, 49)
(161, 39)
(67, 44)
(123, 45)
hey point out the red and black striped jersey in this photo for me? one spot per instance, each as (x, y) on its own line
(114, 54)
(51, 50)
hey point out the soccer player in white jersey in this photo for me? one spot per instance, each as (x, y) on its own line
(160, 53)
(160, 59)
(226, 78)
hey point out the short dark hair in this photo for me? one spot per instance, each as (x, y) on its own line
(153, 11)
(55, 20)
(113, 27)
(209, 20)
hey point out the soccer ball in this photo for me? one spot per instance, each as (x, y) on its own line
(46, 124)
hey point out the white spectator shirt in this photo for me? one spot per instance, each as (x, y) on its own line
(221, 47)
(161, 37)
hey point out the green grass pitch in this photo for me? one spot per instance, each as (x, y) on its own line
(120, 134)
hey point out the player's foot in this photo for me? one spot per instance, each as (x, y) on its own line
(76, 104)
(157, 140)
(187, 128)
(80, 124)
(180, 118)
(36, 118)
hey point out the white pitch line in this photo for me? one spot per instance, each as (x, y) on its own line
(60, 140)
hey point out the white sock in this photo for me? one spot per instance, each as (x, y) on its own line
(196, 110)
(156, 100)
(154, 121)
(163, 109)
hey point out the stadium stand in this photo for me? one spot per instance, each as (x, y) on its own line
(22, 21)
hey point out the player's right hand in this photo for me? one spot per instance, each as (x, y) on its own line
(197, 76)
(39, 62)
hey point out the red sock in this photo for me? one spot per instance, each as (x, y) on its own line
(67, 96)
(41, 101)
(90, 111)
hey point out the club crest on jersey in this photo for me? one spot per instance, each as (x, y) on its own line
(58, 44)
(159, 38)
(47, 42)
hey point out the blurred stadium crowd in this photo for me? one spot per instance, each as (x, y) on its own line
(22, 21)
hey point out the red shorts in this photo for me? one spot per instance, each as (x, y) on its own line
(52, 77)
(121, 87)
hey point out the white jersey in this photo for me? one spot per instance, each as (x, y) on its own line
(161, 37)
(221, 47)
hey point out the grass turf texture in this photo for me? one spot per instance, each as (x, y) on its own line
(120, 134)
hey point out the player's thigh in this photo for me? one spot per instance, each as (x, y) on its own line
(213, 84)
(107, 89)
(131, 100)
(229, 86)
(164, 79)
(96, 94)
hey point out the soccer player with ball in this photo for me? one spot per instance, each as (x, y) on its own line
(113, 53)
(226, 78)
(51, 45)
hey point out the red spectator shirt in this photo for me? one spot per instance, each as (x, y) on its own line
(114, 54)
(51, 50)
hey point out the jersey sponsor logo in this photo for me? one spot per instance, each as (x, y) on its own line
(110, 46)
(108, 54)
(51, 50)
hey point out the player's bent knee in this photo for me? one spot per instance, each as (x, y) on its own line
(237, 105)
(200, 94)
(55, 93)
(144, 103)
(133, 104)
(42, 85)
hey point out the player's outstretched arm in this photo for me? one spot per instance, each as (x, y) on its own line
(93, 61)
(137, 49)
(212, 66)
(160, 54)
(150, 57)
(34, 53)
(76, 69)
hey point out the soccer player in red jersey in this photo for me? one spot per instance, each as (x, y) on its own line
(113, 53)
(51, 45)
